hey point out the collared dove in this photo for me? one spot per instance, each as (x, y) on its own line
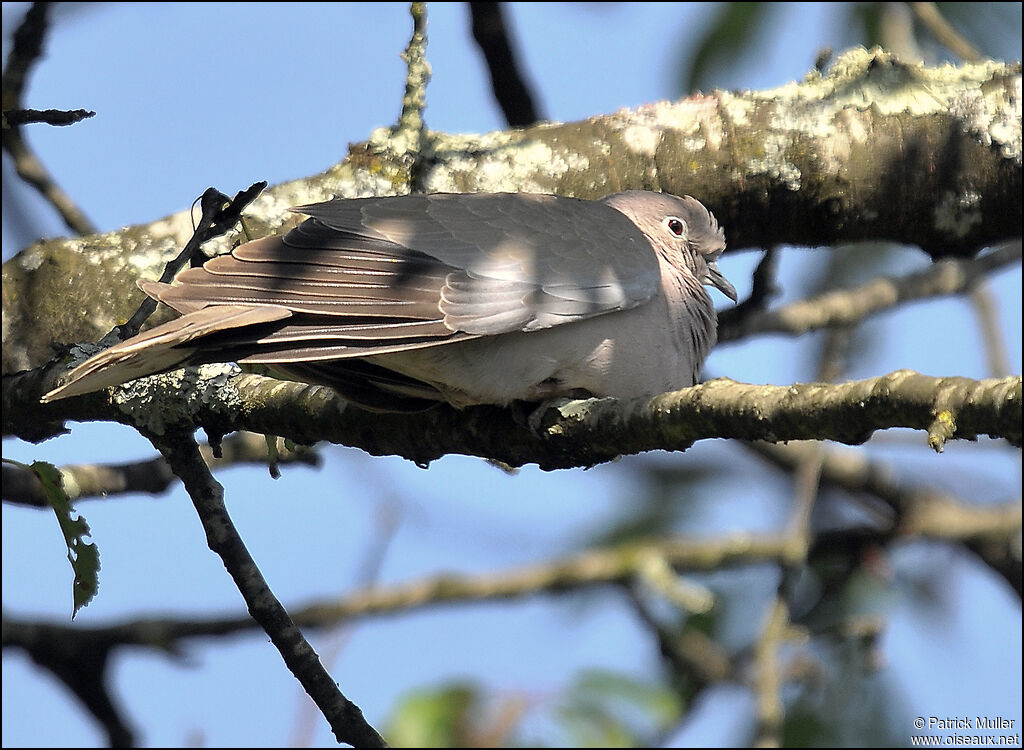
(398, 303)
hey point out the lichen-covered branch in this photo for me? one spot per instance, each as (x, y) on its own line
(565, 434)
(874, 149)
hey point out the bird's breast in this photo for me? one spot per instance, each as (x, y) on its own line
(625, 354)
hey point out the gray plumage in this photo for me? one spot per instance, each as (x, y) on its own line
(401, 302)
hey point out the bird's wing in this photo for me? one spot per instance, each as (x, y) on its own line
(370, 276)
(516, 262)
(344, 300)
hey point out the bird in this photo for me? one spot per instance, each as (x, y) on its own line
(400, 303)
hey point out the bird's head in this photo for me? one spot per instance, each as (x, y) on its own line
(682, 229)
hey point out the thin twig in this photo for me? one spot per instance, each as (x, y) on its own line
(510, 90)
(807, 472)
(407, 140)
(417, 77)
(990, 532)
(344, 717)
(58, 117)
(769, 711)
(985, 308)
(386, 524)
(763, 289)
(853, 304)
(220, 214)
(931, 18)
(691, 654)
(25, 52)
(606, 566)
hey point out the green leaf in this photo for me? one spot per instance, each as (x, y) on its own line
(84, 556)
(653, 698)
(433, 718)
(609, 709)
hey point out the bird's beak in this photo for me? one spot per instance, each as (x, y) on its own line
(715, 278)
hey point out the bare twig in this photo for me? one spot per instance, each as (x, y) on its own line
(763, 289)
(985, 308)
(769, 711)
(220, 214)
(406, 143)
(990, 532)
(387, 520)
(616, 566)
(854, 304)
(510, 90)
(344, 717)
(418, 73)
(58, 117)
(25, 51)
(768, 670)
(807, 476)
(932, 19)
(690, 653)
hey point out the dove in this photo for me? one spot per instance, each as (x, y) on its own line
(401, 302)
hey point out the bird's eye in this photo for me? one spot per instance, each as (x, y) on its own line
(675, 226)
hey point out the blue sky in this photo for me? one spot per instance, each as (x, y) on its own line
(189, 96)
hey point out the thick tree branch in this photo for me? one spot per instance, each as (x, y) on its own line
(930, 17)
(570, 433)
(874, 150)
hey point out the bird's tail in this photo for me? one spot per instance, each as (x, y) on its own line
(160, 349)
